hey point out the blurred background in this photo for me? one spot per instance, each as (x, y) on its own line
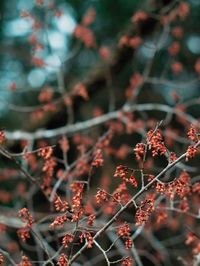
(22, 79)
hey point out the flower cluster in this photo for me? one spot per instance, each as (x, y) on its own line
(45, 152)
(193, 134)
(98, 158)
(193, 241)
(59, 221)
(172, 157)
(139, 151)
(132, 180)
(88, 237)
(26, 217)
(155, 142)
(128, 243)
(77, 188)
(124, 232)
(128, 261)
(62, 260)
(179, 186)
(91, 219)
(24, 233)
(68, 238)
(60, 205)
(191, 152)
(121, 171)
(83, 33)
(144, 211)
(101, 196)
(48, 168)
(77, 209)
(120, 195)
(182, 185)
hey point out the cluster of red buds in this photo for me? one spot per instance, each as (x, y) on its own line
(124, 231)
(139, 151)
(59, 221)
(27, 218)
(191, 152)
(101, 196)
(98, 158)
(68, 238)
(88, 237)
(144, 211)
(62, 260)
(155, 142)
(60, 205)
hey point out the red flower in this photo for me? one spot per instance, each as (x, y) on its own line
(193, 134)
(88, 237)
(155, 143)
(60, 205)
(124, 230)
(128, 261)
(68, 238)
(191, 152)
(62, 260)
(101, 196)
(139, 151)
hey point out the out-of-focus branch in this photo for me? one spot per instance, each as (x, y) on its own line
(11, 222)
(93, 122)
(175, 84)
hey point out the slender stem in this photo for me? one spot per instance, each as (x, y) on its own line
(103, 252)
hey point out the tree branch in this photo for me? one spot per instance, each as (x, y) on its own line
(116, 216)
(93, 122)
